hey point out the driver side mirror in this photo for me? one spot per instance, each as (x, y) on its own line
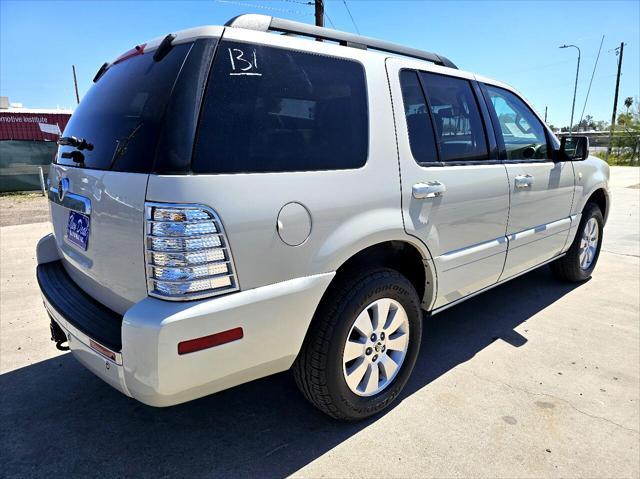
(573, 148)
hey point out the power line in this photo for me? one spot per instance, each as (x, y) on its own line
(538, 66)
(264, 7)
(351, 16)
(591, 81)
(298, 2)
(330, 22)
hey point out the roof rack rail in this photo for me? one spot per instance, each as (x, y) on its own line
(265, 23)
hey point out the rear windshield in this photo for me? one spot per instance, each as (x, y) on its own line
(122, 114)
(274, 110)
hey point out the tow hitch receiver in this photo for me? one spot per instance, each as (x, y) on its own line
(58, 336)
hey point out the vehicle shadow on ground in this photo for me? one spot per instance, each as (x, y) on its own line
(57, 418)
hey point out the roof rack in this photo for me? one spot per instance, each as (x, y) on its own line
(265, 23)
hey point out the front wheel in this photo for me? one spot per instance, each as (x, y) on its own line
(581, 258)
(362, 345)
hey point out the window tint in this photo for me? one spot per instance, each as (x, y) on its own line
(421, 138)
(123, 113)
(523, 134)
(272, 110)
(458, 123)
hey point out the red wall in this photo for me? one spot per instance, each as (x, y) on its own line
(25, 126)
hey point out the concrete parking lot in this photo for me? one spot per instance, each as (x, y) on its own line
(534, 378)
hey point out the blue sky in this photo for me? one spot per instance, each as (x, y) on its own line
(514, 41)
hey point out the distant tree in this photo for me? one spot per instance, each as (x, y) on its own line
(624, 119)
(628, 102)
(586, 123)
(602, 125)
(627, 132)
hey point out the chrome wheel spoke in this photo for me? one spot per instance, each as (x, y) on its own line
(355, 374)
(353, 350)
(389, 366)
(372, 379)
(363, 323)
(398, 342)
(382, 308)
(395, 322)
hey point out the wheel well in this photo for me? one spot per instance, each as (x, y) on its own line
(599, 198)
(397, 255)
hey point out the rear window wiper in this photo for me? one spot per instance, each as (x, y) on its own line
(75, 155)
(121, 147)
(78, 143)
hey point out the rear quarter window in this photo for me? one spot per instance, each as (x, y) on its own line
(274, 110)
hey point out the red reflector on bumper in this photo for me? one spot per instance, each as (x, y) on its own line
(102, 350)
(210, 341)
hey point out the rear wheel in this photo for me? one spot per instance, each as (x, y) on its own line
(362, 345)
(581, 258)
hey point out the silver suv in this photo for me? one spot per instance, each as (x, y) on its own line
(228, 203)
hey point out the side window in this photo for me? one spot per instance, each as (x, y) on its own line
(421, 138)
(459, 126)
(272, 110)
(523, 134)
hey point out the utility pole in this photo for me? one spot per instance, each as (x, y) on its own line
(545, 114)
(620, 50)
(75, 83)
(319, 4)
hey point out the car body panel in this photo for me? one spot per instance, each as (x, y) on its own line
(538, 215)
(464, 229)
(591, 174)
(112, 268)
(149, 368)
(350, 209)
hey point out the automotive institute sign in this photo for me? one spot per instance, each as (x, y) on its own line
(33, 126)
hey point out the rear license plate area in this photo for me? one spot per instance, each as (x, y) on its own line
(78, 228)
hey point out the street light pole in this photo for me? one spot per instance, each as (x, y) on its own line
(575, 88)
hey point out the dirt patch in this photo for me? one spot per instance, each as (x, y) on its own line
(23, 208)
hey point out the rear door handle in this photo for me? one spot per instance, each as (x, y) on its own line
(430, 189)
(524, 181)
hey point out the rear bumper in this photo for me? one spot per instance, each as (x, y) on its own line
(108, 369)
(274, 319)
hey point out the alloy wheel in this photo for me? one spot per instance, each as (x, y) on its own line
(376, 347)
(588, 243)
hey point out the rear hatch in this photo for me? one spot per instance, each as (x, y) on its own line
(138, 118)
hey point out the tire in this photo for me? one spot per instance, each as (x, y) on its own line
(572, 266)
(320, 370)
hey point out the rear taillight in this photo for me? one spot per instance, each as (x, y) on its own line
(187, 252)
